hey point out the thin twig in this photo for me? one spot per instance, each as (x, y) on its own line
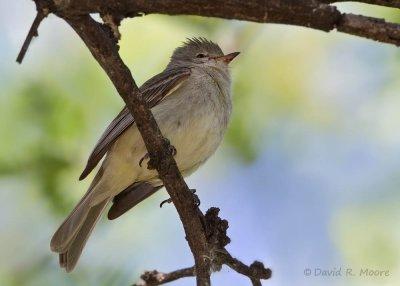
(255, 272)
(154, 278)
(216, 230)
(33, 32)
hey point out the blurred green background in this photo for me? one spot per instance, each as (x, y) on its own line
(308, 175)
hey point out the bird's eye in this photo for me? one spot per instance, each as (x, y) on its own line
(200, 56)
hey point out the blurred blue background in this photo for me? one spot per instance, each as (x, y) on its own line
(308, 175)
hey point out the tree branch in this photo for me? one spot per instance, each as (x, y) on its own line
(256, 271)
(154, 278)
(387, 3)
(33, 32)
(370, 28)
(217, 239)
(314, 14)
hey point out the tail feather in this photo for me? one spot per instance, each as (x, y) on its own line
(68, 230)
(70, 256)
(71, 236)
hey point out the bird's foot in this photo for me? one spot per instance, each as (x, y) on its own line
(196, 199)
(167, 201)
(170, 147)
(145, 157)
(172, 150)
(151, 164)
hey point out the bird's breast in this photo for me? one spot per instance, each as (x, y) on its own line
(194, 119)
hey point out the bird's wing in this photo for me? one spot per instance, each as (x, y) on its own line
(130, 197)
(153, 91)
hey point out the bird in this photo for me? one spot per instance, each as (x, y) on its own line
(191, 102)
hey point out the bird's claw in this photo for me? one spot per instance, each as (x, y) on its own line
(145, 157)
(167, 201)
(171, 148)
(150, 164)
(196, 199)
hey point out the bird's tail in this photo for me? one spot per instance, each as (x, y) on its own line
(71, 236)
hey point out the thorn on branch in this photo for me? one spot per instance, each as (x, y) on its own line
(33, 32)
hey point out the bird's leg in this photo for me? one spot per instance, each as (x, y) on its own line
(150, 164)
(145, 157)
(196, 199)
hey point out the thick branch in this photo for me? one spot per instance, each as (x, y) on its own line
(387, 3)
(103, 47)
(308, 13)
(371, 28)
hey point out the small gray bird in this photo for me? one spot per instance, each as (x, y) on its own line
(191, 102)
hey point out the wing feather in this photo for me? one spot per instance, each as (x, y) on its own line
(153, 91)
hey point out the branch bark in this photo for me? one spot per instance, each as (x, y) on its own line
(387, 3)
(320, 15)
(370, 28)
(154, 278)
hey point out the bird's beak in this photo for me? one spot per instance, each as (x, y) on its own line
(227, 58)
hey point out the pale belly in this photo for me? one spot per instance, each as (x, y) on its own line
(195, 138)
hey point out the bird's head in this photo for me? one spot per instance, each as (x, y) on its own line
(200, 52)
